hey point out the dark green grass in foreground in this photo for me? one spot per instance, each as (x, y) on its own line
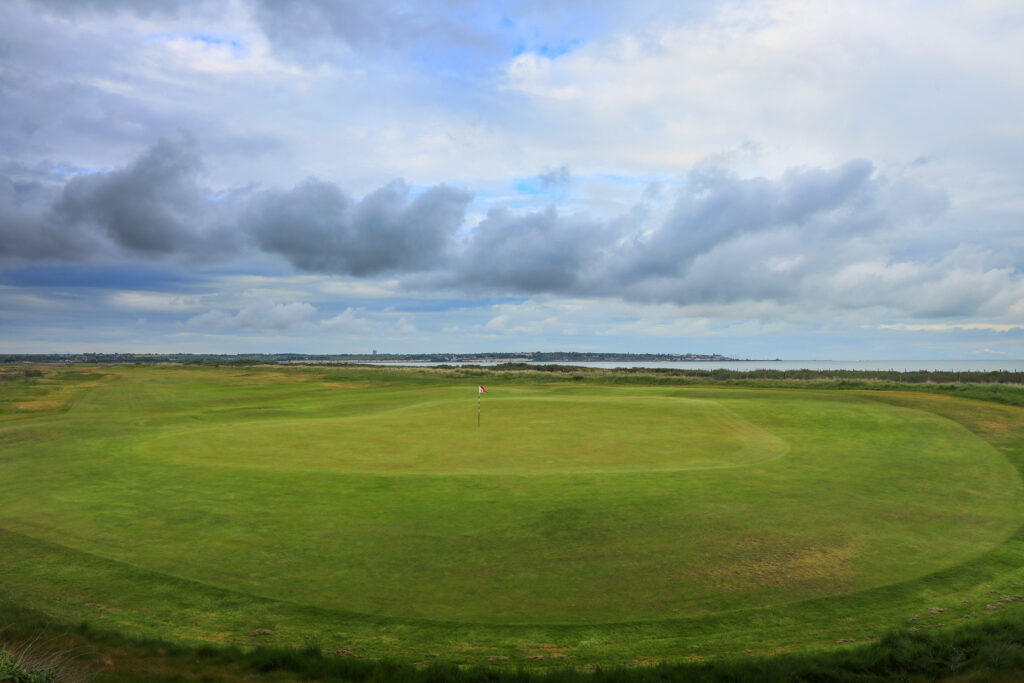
(585, 523)
(989, 650)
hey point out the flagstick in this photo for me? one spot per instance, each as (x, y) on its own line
(478, 406)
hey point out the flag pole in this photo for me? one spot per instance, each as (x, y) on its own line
(479, 390)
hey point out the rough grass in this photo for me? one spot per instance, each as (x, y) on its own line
(989, 650)
(886, 505)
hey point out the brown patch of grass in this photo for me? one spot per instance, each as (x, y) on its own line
(348, 386)
(38, 404)
(774, 564)
(550, 647)
(993, 422)
(644, 661)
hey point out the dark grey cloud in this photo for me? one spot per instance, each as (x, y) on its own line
(715, 207)
(317, 227)
(729, 239)
(725, 239)
(555, 177)
(310, 28)
(490, 30)
(24, 229)
(91, 276)
(151, 206)
(143, 8)
(156, 206)
(526, 253)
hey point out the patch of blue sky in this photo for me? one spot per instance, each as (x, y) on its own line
(489, 37)
(216, 40)
(549, 49)
(73, 170)
(462, 68)
(530, 186)
(554, 50)
(442, 305)
(96, 277)
(410, 305)
(535, 187)
(622, 179)
(209, 39)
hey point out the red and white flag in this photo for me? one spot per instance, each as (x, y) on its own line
(481, 389)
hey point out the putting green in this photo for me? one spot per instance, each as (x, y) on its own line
(522, 434)
(347, 497)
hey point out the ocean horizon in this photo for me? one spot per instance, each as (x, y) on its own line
(965, 365)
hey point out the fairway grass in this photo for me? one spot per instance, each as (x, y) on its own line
(581, 523)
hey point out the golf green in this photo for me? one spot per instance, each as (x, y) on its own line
(366, 507)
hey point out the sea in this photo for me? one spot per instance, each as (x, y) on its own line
(972, 365)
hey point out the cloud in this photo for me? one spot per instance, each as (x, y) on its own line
(531, 253)
(141, 7)
(729, 238)
(716, 206)
(848, 237)
(151, 206)
(555, 177)
(319, 228)
(155, 301)
(725, 238)
(155, 206)
(354, 323)
(988, 351)
(263, 315)
(25, 230)
(310, 29)
(948, 327)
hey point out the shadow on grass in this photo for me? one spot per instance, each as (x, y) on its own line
(980, 650)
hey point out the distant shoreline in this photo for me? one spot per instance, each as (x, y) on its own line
(500, 357)
(588, 360)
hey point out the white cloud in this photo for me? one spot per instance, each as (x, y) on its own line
(355, 323)
(156, 301)
(950, 327)
(264, 315)
(809, 83)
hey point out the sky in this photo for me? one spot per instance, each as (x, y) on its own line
(794, 179)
